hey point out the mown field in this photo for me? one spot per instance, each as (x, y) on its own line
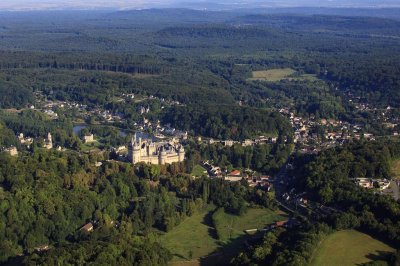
(196, 237)
(348, 247)
(275, 75)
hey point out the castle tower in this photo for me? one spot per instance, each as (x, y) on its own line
(162, 157)
(181, 154)
(48, 142)
(134, 151)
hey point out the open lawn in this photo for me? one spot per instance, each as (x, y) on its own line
(198, 171)
(191, 237)
(274, 75)
(232, 226)
(348, 247)
(91, 146)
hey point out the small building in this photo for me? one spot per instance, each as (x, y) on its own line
(365, 182)
(235, 173)
(12, 151)
(42, 248)
(247, 142)
(88, 138)
(228, 143)
(234, 176)
(87, 227)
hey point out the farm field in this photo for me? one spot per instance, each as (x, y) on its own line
(275, 75)
(348, 247)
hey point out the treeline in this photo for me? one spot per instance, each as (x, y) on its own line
(124, 63)
(227, 122)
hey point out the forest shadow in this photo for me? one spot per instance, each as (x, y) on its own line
(376, 256)
(208, 222)
(224, 254)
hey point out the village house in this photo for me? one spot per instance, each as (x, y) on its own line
(365, 182)
(42, 248)
(229, 143)
(234, 176)
(87, 227)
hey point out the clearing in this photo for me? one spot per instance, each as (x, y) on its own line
(348, 247)
(278, 74)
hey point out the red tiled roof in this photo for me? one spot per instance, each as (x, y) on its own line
(235, 172)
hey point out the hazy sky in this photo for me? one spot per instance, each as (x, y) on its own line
(133, 4)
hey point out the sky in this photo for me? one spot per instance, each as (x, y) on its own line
(137, 4)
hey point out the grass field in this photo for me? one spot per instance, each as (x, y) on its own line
(193, 235)
(198, 170)
(232, 226)
(396, 168)
(274, 75)
(348, 248)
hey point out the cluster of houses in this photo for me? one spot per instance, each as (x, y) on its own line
(160, 131)
(263, 181)
(337, 131)
(244, 143)
(213, 171)
(259, 181)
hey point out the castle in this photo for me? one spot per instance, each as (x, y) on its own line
(154, 152)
